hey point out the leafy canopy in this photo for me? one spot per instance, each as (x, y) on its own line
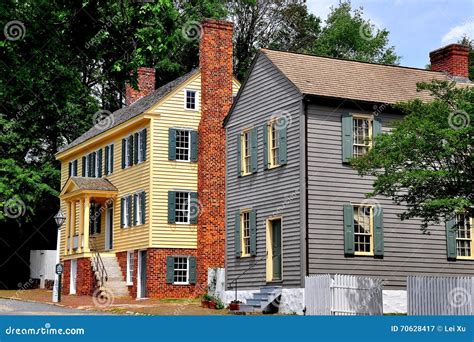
(426, 162)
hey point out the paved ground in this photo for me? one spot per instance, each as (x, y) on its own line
(85, 305)
(16, 307)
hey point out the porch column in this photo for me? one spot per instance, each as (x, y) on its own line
(81, 225)
(66, 228)
(71, 229)
(73, 222)
(85, 226)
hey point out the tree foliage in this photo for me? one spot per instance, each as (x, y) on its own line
(426, 162)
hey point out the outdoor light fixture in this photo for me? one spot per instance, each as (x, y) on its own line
(59, 218)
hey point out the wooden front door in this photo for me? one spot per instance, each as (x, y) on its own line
(109, 228)
(276, 249)
(73, 277)
(142, 274)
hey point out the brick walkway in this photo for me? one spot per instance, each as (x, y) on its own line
(120, 305)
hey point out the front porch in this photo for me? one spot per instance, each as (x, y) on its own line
(85, 200)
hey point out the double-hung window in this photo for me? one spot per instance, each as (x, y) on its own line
(274, 143)
(190, 99)
(182, 207)
(245, 233)
(126, 204)
(246, 152)
(361, 135)
(98, 163)
(85, 166)
(464, 236)
(73, 168)
(181, 270)
(183, 145)
(128, 151)
(363, 230)
(109, 159)
(139, 208)
(130, 267)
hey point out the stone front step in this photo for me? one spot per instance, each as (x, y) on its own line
(114, 283)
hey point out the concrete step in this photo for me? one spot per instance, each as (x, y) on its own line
(254, 302)
(247, 308)
(262, 296)
(270, 289)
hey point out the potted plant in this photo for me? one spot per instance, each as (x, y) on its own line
(234, 305)
(212, 303)
(205, 300)
(219, 304)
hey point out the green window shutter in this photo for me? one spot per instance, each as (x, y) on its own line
(451, 237)
(134, 209)
(378, 231)
(254, 149)
(282, 158)
(194, 146)
(130, 150)
(253, 233)
(192, 270)
(265, 146)
(194, 208)
(111, 151)
(130, 211)
(124, 143)
(239, 154)
(377, 127)
(348, 229)
(122, 209)
(172, 144)
(106, 164)
(70, 169)
(171, 207)
(75, 167)
(143, 140)
(135, 148)
(83, 166)
(346, 137)
(100, 163)
(93, 164)
(143, 203)
(169, 269)
(237, 237)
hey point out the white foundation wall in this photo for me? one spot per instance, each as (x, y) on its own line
(395, 301)
(291, 303)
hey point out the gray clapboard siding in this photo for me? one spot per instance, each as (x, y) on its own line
(331, 185)
(272, 192)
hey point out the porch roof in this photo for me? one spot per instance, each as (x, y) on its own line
(100, 187)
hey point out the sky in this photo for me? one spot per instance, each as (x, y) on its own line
(416, 26)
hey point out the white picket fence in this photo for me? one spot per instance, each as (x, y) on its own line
(343, 295)
(440, 295)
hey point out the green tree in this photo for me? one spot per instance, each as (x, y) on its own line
(426, 163)
(348, 35)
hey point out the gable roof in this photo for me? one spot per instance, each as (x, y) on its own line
(126, 113)
(77, 184)
(347, 79)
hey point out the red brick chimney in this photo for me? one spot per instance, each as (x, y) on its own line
(453, 59)
(146, 85)
(215, 59)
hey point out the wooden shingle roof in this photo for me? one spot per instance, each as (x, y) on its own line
(85, 183)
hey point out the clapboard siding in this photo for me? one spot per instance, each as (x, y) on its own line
(269, 193)
(331, 185)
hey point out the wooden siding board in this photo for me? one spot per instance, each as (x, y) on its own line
(407, 250)
(272, 192)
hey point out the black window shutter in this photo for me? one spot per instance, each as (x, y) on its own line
(122, 210)
(93, 164)
(237, 237)
(129, 209)
(135, 148)
(75, 167)
(169, 269)
(171, 207)
(83, 166)
(194, 208)
(143, 203)
(123, 152)
(172, 144)
(143, 141)
(106, 164)
(111, 151)
(100, 163)
(192, 270)
(70, 169)
(253, 233)
(130, 151)
(194, 146)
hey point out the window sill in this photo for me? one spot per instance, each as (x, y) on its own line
(181, 284)
(129, 284)
(246, 256)
(357, 254)
(465, 258)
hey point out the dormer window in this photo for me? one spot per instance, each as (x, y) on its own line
(190, 99)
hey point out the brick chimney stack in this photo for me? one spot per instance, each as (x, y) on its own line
(453, 59)
(146, 85)
(215, 60)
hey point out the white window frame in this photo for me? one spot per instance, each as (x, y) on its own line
(128, 158)
(246, 159)
(138, 209)
(187, 270)
(124, 212)
(370, 137)
(243, 237)
(130, 267)
(196, 102)
(86, 166)
(97, 160)
(188, 132)
(109, 159)
(140, 148)
(189, 209)
(471, 240)
(371, 227)
(273, 149)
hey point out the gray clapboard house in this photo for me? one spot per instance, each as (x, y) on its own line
(294, 206)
